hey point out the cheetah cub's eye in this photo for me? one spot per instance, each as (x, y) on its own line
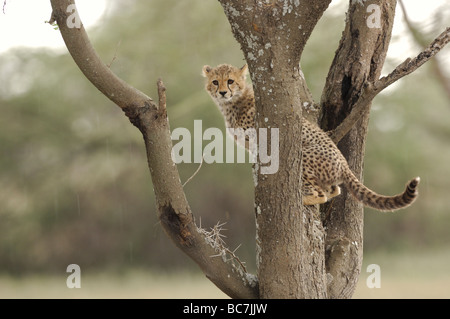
(215, 82)
(230, 81)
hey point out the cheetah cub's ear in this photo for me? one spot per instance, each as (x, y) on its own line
(206, 69)
(244, 71)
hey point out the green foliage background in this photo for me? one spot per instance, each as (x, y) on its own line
(74, 180)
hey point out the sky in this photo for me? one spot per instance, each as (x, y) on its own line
(19, 27)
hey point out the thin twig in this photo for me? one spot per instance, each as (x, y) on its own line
(236, 258)
(214, 237)
(115, 55)
(195, 173)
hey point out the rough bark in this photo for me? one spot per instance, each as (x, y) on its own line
(290, 238)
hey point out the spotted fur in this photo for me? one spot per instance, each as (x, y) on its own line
(324, 166)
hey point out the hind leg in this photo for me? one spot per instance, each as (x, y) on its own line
(313, 193)
(332, 191)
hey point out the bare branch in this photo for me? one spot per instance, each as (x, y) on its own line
(372, 89)
(89, 62)
(161, 94)
(410, 65)
(172, 207)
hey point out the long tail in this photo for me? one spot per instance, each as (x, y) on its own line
(380, 202)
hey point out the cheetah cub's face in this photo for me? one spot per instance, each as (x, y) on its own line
(225, 83)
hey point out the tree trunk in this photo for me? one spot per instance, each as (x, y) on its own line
(293, 246)
(290, 237)
(358, 60)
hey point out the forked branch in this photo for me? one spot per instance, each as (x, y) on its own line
(370, 90)
(151, 119)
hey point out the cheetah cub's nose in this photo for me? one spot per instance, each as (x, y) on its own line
(223, 93)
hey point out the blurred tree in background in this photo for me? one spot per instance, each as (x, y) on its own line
(75, 191)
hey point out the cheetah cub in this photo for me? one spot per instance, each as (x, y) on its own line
(324, 167)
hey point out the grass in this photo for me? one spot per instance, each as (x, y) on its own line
(134, 284)
(403, 275)
(421, 274)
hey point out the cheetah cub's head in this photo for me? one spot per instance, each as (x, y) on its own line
(225, 83)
